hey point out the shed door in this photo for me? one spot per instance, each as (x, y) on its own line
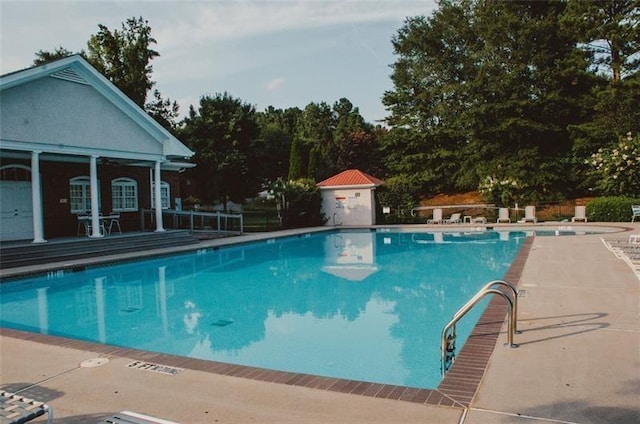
(339, 210)
(16, 210)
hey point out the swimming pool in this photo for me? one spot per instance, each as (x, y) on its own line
(358, 305)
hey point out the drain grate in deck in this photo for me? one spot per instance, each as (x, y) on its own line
(160, 369)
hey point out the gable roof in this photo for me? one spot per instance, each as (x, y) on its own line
(351, 178)
(76, 69)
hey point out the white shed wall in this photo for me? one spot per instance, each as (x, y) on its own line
(353, 206)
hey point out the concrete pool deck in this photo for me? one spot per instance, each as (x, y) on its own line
(578, 362)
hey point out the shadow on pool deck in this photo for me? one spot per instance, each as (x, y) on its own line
(580, 302)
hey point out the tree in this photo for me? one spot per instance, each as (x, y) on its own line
(354, 143)
(610, 31)
(315, 133)
(486, 89)
(221, 133)
(164, 111)
(298, 202)
(43, 56)
(125, 56)
(297, 162)
(272, 150)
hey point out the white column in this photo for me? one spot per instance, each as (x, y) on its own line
(95, 217)
(158, 199)
(36, 198)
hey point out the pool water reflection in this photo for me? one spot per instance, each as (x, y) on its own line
(358, 305)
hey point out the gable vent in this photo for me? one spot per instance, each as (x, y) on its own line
(69, 74)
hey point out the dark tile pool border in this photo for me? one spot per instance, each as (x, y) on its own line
(457, 389)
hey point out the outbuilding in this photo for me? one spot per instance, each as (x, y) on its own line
(348, 198)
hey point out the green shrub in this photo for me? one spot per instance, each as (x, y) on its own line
(611, 209)
(298, 202)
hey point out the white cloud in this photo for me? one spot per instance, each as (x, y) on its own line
(313, 50)
(275, 84)
(199, 23)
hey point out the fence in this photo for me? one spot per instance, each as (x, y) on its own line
(195, 221)
(545, 211)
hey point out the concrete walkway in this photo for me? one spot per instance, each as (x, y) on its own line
(579, 354)
(578, 362)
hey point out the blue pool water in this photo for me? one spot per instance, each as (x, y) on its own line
(359, 305)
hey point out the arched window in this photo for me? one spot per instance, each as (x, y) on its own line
(15, 173)
(124, 195)
(165, 195)
(80, 194)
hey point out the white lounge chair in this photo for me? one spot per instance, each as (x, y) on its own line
(635, 209)
(530, 214)
(503, 215)
(455, 218)
(580, 214)
(437, 217)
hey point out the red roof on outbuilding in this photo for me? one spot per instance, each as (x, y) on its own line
(351, 177)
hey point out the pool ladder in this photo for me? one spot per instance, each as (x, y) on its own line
(448, 342)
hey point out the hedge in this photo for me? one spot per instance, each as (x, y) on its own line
(611, 209)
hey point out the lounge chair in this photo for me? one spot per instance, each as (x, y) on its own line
(580, 214)
(635, 209)
(437, 217)
(503, 215)
(455, 218)
(16, 409)
(530, 214)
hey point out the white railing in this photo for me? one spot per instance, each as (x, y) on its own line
(194, 221)
(448, 340)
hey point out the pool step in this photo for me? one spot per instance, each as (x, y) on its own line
(25, 254)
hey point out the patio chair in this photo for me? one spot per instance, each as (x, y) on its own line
(16, 409)
(455, 218)
(580, 214)
(83, 223)
(635, 209)
(437, 217)
(503, 215)
(530, 214)
(114, 221)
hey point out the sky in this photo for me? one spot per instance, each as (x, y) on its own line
(265, 53)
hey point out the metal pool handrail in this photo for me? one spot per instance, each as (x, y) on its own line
(447, 344)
